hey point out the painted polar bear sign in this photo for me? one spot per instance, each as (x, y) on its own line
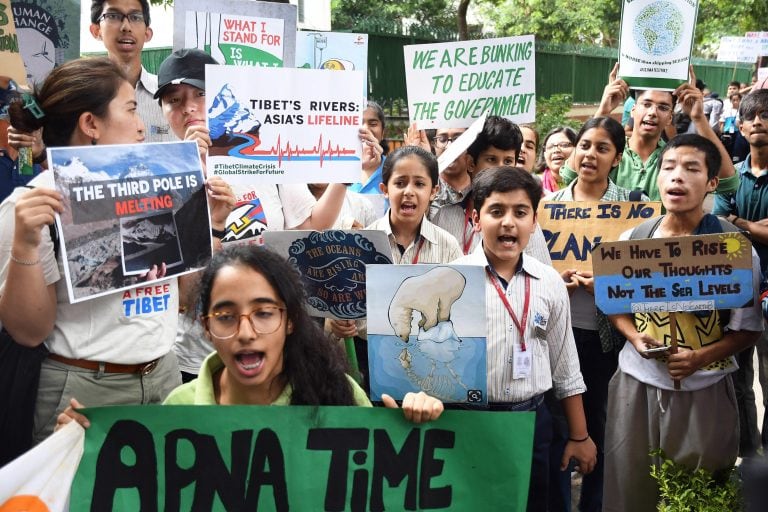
(424, 333)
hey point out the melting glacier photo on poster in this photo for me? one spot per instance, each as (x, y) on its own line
(426, 331)
(129, 212)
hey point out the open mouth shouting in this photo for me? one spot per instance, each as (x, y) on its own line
(249, 363)
(408, 208)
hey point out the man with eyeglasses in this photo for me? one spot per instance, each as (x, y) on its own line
(747, 208)
(123, 27)
(651, 115)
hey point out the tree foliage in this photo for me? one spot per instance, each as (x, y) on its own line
(347, 14)
(597, 22)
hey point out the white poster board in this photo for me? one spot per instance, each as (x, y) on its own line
(655, 42)
(284, 125)
(452, 84)
(237, 32)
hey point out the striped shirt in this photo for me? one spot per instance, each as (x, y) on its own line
(433, 245)
(453, 219)
(156, 127)
(612, 193)
(548, 334)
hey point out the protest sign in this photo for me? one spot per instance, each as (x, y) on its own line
(332, 265)
(39, 480)
(656, 41)
(461, 144)
(452, 84)
(424, 333)
(573, 228)
(737, 49)
(49, 34)
(690, 273)
(283, 125)
(761, 42)
(11, 62)
(340, 51)
(128, 208)
(237, 32)
(301, 458)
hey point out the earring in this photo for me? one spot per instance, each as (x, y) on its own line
(93, 142)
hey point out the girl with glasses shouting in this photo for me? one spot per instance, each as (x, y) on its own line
(268, 349)
(555, 150)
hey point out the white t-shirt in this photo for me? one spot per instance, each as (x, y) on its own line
(127, 327)
(259, 208)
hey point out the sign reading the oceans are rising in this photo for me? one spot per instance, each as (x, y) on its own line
(452, 84)
(655, 42)
(572, 229)
(332, 264)
(688, 273)
(282, 125)
(301, 458)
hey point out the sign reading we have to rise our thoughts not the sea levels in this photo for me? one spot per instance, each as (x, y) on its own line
(452, 84)
(656, 41)
(179, 458)
(284, 125)
(573, 228)
(690, 273)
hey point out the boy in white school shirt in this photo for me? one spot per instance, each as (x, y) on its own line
(530, 341)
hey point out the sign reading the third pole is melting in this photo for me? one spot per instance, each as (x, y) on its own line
(655, 43)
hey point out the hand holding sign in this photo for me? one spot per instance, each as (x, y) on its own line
(690, 98)
(614, 93)
(431, 294)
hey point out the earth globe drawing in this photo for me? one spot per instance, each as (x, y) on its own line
(658, 29)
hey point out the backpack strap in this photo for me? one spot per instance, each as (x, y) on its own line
(646, 229)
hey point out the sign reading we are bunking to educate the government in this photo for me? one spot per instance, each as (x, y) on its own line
(452, 84)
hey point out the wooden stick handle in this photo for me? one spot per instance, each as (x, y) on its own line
(673, 339)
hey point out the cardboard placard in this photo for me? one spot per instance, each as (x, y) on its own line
(689, 273)
(573, 228)
(332, 265)
(426, 331)
(126, 209)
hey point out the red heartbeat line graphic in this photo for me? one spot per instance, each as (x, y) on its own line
(289, 151)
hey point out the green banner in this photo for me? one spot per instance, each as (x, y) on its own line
(180, 458)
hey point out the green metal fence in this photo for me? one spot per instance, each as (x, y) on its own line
(579, 71)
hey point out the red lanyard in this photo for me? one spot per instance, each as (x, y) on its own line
(418, 250)
(503, 297)
(467, 241)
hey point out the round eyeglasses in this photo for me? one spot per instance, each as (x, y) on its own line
(226, 324)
